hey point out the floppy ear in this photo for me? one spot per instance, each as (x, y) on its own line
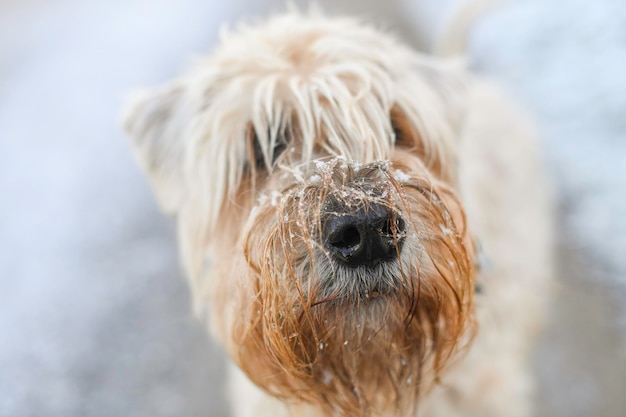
(156, 122)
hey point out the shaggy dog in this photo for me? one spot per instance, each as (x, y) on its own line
(337, 195)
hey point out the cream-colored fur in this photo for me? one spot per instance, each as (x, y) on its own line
(506, 198)
(340, 80)
(507, 202)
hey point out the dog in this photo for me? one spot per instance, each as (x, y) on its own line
(366, 228)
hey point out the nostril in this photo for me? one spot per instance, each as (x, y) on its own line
(347, 237)
(392, 226)
(400, 225)
(387, 228)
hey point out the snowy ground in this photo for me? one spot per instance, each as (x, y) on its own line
(94, 316)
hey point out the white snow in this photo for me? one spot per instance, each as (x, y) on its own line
(401, 176)
(566, 65)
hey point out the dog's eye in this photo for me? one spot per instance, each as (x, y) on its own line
(257, 152)
(398, 136)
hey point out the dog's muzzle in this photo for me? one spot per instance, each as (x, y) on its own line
(363, 236)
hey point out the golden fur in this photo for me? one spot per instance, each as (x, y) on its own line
(290, 119)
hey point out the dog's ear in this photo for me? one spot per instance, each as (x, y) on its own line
(156, 122)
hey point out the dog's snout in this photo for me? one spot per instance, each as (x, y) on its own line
(367, 236)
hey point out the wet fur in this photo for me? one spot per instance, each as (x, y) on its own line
(291, 118)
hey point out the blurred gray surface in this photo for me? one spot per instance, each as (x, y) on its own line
(94, 312)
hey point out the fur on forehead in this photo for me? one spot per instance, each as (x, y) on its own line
(329, 84)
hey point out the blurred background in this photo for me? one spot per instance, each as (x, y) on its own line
(95, 316)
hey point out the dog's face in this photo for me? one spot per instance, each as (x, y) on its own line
(311, 164)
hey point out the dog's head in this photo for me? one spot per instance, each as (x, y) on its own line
(311, 164)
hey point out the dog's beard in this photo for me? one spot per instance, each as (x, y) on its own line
(354, 340)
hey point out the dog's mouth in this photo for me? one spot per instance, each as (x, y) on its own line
(359, 285)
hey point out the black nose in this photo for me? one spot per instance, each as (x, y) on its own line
(367, 236)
